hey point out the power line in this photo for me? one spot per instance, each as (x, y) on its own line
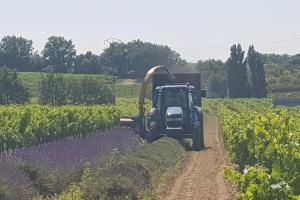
(279, 41)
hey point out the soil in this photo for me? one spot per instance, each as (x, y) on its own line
(202, 178)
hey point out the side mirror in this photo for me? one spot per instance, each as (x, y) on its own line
(203, 93)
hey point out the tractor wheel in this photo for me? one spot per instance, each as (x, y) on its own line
(198, 130)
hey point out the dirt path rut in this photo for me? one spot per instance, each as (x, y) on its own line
(203, 177)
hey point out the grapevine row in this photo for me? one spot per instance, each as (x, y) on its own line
(29, 125)
(264, 142)
(23, 126)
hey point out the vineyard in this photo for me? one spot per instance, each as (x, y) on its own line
(139, 100)
(264, 143)
(24, 126)
(29, 125)
(75, 150)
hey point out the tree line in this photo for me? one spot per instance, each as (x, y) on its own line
(239, 77)
(55, 89)
(131, 59)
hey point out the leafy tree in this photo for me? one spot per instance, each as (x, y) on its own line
(59, 54)
(217, 86)
(275, 58)
(136, 57)
(143, 55)
(295, 60)
(213, 76)
(238, 86)
(89, 91)
(88, 63)
(53, 89)
(37, 62)
(115, 59)
(258, 81)
(16, 52)
(11, 88)
(210, 67)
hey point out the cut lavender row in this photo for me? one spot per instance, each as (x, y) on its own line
(64, 154)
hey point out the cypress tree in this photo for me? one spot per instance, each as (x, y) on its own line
(238, 86)
(258, 80)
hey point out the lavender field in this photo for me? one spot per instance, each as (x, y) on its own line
(49, 168)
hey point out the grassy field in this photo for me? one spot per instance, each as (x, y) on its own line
(31, 80)
(286, 85)
(285, 95)
(282, 80)
(123, 87)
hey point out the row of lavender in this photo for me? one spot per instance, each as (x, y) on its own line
(48, 169)
(29, 125)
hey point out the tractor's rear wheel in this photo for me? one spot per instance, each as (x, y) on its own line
(198, 131)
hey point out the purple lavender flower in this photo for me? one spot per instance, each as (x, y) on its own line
(65, 156)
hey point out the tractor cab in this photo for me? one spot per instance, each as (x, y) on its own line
(174, 104)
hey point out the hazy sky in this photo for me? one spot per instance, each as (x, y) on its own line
(197, 29)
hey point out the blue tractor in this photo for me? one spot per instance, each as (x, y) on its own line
(176, 107)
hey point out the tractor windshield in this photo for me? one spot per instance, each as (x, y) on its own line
(176, 98)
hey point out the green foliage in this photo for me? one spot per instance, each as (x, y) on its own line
(90, 91)
(238, 86)
(31, 80)
(126, 176)
(88, 63)
(255, 183)
(282, 79)
(133, 175)
(217, 86)
(11, 88)
(16, 52)
(285, 60)
(258, 81)
(135, 58)
(264, 141)
(34, 124)
(59, 54)
(129, 106)
(285, 95)
(30, 125)
(53, 89)
(213, 75)
(73, 193)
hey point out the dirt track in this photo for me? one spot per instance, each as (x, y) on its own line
(203, 176)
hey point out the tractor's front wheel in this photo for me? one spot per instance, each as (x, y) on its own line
(198, 131)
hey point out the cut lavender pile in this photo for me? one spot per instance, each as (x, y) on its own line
(66, 154)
